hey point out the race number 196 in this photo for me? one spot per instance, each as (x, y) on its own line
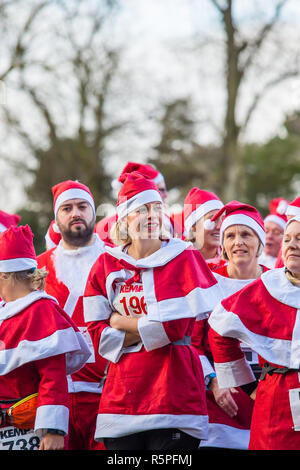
(12, 438)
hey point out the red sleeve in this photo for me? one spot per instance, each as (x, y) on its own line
(177, 329)
(224, 349)
(53, 387)
(199, 337)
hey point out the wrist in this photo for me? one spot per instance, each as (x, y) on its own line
(58, 432)
(210, 379)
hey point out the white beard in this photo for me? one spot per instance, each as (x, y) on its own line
(73, 266)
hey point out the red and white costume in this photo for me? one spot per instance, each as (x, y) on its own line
(39, 343)
(155, 383)
(37, 357)
(265, 316)
(68, 271)
(224, 431)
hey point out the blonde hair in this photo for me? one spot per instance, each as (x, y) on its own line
(35, 279)
(118, 236)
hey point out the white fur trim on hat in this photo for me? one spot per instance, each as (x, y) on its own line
(292, 210)
(75, 193)
(212, 204)
(277, 220)
(243, 219)
(17, 264)
(144, 197)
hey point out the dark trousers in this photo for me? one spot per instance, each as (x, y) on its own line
(154, 439)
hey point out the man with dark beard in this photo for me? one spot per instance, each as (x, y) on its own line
(68, 265)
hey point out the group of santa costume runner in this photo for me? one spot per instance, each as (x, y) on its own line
(193, 322)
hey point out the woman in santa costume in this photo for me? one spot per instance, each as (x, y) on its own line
(105, 228)
(265, 316)
(242, 238)
(275, 223)
(200, 206)
(39, 346)
(292, 209)
(141, 301)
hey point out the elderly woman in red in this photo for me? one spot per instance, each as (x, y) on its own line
(39, 346)
(265, 316)
(242, 238)
(141, 301)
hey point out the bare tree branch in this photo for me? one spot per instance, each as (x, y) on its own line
(17, 56)
(267, 87)
(261, 36)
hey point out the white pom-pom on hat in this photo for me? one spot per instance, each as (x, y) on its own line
(209, 224)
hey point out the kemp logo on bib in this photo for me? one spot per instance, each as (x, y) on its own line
(130, 300)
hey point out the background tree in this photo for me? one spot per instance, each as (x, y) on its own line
(69, 104)
(273, 169)
(181, 159)
(241, 54)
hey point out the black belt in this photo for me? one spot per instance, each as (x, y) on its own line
(268, 369)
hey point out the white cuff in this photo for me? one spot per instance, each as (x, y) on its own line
(111, 344)
(152, 334)
(51, 417)
(234, 373)
(206, 365)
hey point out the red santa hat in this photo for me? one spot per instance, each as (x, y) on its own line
(135, 192)
(52, 236)
(198, 203)
(294, 207)
(69, 189)
(278, 209)
(238, 213)
(147, 171)
(8, 220)
(17, 251)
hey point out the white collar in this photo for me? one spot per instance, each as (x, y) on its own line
(9, 309)
(162, 256)
(281, 288)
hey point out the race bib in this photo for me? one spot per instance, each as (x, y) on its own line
(294, 396)
(12, 438)
(130, 300)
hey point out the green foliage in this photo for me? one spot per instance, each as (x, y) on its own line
(272, 169)
(183, 162)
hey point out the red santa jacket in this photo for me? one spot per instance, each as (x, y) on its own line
(39, 346)
(265, 316)
(154, 383)
(224, 431)
(67, 275)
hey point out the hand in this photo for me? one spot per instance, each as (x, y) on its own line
(52, 442)
(114, 320)
(224, 399)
